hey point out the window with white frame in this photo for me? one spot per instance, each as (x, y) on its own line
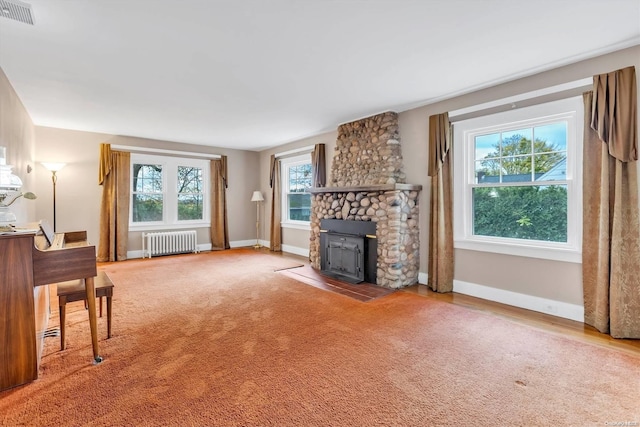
(296, 181)
(517, 187)
(168, 192)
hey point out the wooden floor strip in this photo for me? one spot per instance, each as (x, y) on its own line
(362, 291)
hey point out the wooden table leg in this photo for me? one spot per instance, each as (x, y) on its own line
(90, 288)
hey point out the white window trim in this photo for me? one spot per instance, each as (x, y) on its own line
(570, 109)
(284, 164)
(170, 205)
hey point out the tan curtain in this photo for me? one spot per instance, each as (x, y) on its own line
(275, 241)
(219, 223)
(114, 177)
(611, 223)
(440, 270)
(319, 166)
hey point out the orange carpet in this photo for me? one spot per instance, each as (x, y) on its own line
(221, 339)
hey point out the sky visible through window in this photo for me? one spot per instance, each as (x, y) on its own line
(554, 134)
(522, 154)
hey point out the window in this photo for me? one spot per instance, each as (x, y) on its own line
(190, 196)
(168, 192)
(147, 193)
(296, 181)
(516, 185)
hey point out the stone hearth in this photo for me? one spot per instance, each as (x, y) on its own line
(367, 181)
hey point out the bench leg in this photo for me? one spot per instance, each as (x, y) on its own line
(63, 311)
(108, 316)
(93, 322)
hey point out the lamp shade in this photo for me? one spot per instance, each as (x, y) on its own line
(53, 167)
(257, 197)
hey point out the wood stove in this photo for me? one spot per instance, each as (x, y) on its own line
(349, 250)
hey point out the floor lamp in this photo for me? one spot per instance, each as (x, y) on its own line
(53, 168)
(257, 197)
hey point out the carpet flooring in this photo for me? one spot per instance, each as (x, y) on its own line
(221, 339)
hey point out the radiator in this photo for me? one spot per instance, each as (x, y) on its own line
(169, 242)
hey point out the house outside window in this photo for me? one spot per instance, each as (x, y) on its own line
(517, 186)
(168, 192)
(296, 182)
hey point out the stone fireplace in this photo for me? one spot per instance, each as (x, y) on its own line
(368, 184)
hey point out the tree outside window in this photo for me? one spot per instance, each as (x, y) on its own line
(168, 192)
(296, 182)
(531, 210)
(190, 197)
(148, 196)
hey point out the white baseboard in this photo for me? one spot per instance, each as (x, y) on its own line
(242, 243)
(529, 302)
(288, 248)
(134, 254)
(295, 250)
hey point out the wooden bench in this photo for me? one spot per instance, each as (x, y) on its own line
(74, 290)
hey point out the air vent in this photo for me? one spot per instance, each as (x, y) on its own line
(17, 10)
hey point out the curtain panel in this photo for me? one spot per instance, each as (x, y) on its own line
(319, 166)
(275, 240)
(611, 223)
(114, 177)
(440, 268)
(219, 224)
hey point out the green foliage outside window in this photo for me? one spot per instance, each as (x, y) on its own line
(147, 188)
(300, 207)
(147, 208)
(529, 211)
(299, 201)
(190, 198)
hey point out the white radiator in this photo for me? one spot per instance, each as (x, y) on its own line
(169, 242)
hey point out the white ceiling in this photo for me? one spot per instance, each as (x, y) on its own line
(253, 74)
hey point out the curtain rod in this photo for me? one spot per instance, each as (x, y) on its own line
(464, 112)
(295, 150)
(162, 151)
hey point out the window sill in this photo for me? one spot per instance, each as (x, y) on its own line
(550, 253)
(296, 226)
